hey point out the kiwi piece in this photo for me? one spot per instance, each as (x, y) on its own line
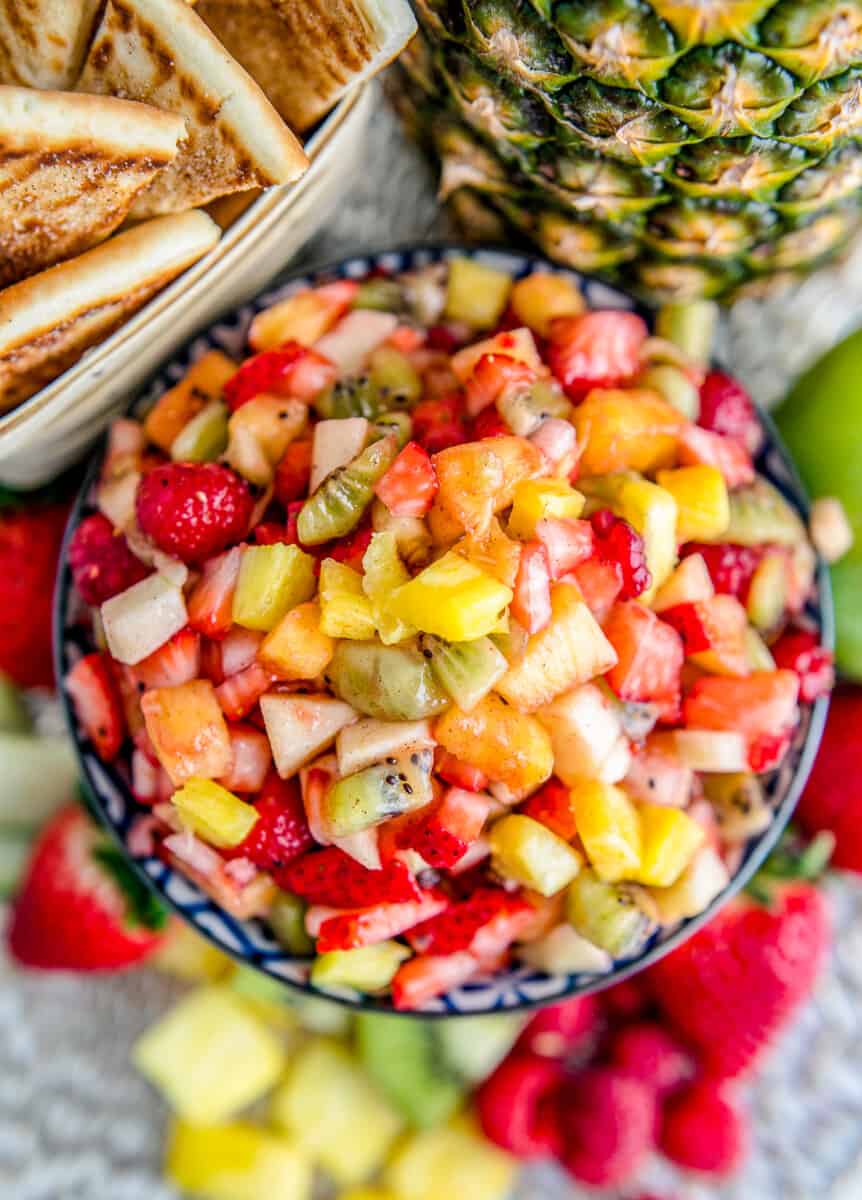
(767, 593)
(287, 921)
(618, 917)
(467, 670)
(388, 789)
(524, 410)
(356, 396)
(759, 513)
(406, 1061)
(380, 294)
(739, 803)
(337, 506)
(397, 424)
(392, 683)
(397, 380)
(365, 969)
(205, 437)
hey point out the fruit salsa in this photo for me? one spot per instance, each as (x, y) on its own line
(453, 626)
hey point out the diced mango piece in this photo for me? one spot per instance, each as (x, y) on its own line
(476, 294)
(334, 1113)
(452, 598)
(530, 854)
(201, 384)
(540, 499)
(454, 1161)
(214, 813)
(586, 733)
(513, 343)
(669, 841)
(443, 528)
(304, 317)
(186, 954)
(478, 479)
(209, 1056)
(609, 829)
(238, 1161)
(297, 648)
(506, 745)
(540, 298)
(383, 573)
(272, 580)
(259, 433)
(631, 430)
(366, 969)
(570, 650)
(345, 610)
(188, 731)
(703, 506)
(651, 510)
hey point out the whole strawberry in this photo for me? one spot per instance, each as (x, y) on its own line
(102, 563)
(732, 988)
(727, 408)
(80, 907)
(30, 541)
(608, 1121)
(832, 800)
(193, 511)
(704, 1130)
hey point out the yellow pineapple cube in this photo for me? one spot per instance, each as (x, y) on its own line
(259, 433)
(454, 1161)
(540, 298)
(188, 731)
(475, 293)
(538, 499)
(478, 479)
(570, 650)
(214, 813)
(236, 1161)
(345, 610)
(649, 509)
(297, 648)
(609, 829)
(529, 853)
(506, 745)
(200, 386)
(631, 430)
(188, 955)
(703, 506)
(669, 841)
(334, 1114)
(453, 598)
(383, 573)
(367, 1193)
(209, 1056)
(272, 580)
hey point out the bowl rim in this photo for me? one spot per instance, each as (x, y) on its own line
(756, 849)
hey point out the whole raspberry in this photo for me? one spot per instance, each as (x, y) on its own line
(608, 1123)
(193, 511)
(799, 650)
(101, 561)
(618, 544)
(703, 1130)
(727, 408)
(730, 567)
(653, 1055)
(517, 1109)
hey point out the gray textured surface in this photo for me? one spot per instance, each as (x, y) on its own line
(76, 1123)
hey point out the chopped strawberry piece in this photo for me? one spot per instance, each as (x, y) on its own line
(731, 567)
(270, 533)
(649, 656)
(484, 924)
(409, 486)
(367, 926)
(517, 1106)
(93, 692)
(177, 661)
(211, 667)
(531, 603)
(311, 374)
(719, 625)
(445, 338)
(726, 408)
(293, 472)
(351, 550)
(269, 371)
(438, 424)
(281, 833)
(459, 774)
(489, 424)
(567, 543)
(767, 750)
(491, 376)
(595, 349)
(210, 605)
(620, 545)
(333, 878)
(599, 584)
(252, 759)
(406, 339)
(239, 649)
(102, 563)
(240, 693)
(551, 805)
(430, 975)
(761, 706)
(444, 834)
(799, 650)
(700, 447)
(193, 510)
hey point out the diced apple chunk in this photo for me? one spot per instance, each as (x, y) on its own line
(585, 731)
(369, 741)
(335, 444)
(349, 344)
(142, 618)
(564, 951)
(301, 727)
(702, 880)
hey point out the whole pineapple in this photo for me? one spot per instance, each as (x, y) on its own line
(688, 147)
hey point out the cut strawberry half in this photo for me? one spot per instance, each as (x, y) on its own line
(595, 349)
(210, 605)
(177, 661)
(484, 924)
(281, 833)
(443, 835)
(97, 704)
(240, 693)
(270, 371)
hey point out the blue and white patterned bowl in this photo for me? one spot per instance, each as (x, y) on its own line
(251, 942)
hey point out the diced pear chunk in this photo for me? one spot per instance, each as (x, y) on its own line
(142, 618)
(301, 727)
(529, 853)
(585, 731)
(369, 741)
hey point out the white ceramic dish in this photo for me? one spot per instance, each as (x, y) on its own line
(52, 429)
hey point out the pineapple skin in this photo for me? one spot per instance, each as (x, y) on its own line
(685, 149)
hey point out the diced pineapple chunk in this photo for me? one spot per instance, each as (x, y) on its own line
(478, 479)
(238, 1161)
(345, 610)
(188, 731)
(609, 829)
(530, 854)
(139, 620)
(669, 841)
(383, 573)
(300, 727)
(454, 1161)
(367, 1193)
(540, 298)
(334, 1113)
(201, 384)
(272, 580)
(476, 294)
(699, 884)
(570, 650)
(631, 430)
(540, 499)
(703, 507)
(259, 433)
(651, 510)
(585, 730)
(505, 744)
(214, 813)
(297, 648)
(209, 1056)
(366, 969)
(453, 598)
